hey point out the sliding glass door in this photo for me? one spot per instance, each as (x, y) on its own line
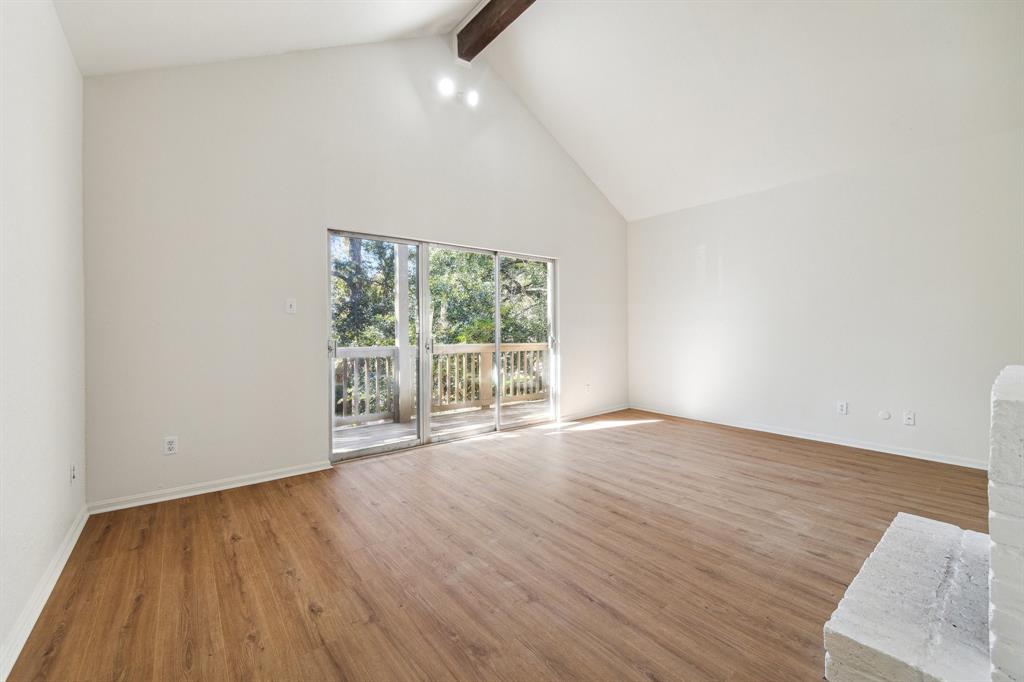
(462, 342)
(374, 344)
(486, 361)
(527, 339)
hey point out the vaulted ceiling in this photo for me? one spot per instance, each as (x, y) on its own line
(664, 105)
(667, 105)
(109, 36)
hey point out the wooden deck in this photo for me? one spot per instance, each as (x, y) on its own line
(628, 547)
(452, 424)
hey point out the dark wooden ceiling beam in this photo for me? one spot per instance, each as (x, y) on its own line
(487, 25)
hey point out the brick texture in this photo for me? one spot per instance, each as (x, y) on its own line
(1006, 527)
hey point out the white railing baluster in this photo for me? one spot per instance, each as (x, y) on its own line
(463, 384)
(515, 373)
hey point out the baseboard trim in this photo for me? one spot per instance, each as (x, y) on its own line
(30, 613)
(44, 586)
(576, 416)
(139, 499)
(943, 458)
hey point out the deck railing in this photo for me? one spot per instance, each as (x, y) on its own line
(364, 384)
(462, 376)
(524, 367)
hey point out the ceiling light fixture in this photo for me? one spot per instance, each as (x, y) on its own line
(446, 86)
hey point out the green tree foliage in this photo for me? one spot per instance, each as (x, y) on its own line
(461, 293)
(524, 301)
(461, 296)
(363, 292)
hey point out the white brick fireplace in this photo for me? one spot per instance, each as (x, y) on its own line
(1006, 527)
(921, 609)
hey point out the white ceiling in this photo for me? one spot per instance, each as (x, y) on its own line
(109, 36)
(667, 105)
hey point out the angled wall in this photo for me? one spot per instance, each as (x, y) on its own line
(208, 195)
(42, 363)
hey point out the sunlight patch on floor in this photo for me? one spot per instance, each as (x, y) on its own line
(603, 424)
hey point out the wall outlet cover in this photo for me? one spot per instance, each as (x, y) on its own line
(171, 445)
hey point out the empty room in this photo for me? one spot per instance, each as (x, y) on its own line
(512, 340)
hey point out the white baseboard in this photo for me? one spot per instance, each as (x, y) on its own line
(114, 503)
(27, 619)
(576, 416)
(884, 448)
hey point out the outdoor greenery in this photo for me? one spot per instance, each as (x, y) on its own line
(461, 292)
(363, 292)
(524, 301)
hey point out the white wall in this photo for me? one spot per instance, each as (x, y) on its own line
(895, 286)
(209, 191)
(42, 365)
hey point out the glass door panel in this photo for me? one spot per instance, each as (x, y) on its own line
(374, 351)
(462, 343)
(526, 340)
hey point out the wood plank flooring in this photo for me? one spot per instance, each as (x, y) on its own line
(628, 547)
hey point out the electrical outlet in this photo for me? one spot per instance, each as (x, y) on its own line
(72, 475)
(909, 418)
(842, 407)
(291, 306)
(171, 445)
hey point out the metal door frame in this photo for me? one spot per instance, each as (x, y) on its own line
(424, 344)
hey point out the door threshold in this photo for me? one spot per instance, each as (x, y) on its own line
(419, 446)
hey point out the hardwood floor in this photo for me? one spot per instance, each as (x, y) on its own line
(632, 546)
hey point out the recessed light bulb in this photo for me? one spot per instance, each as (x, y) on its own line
(472, 98)
(446, 86)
